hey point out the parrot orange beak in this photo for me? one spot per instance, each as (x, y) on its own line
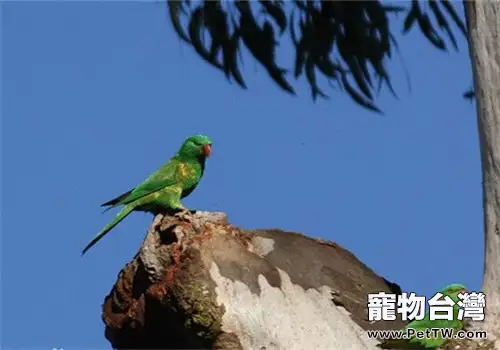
(207, 150)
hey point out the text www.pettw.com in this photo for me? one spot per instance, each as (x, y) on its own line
(445, 333)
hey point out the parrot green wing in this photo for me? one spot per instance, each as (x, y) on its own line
(163, 177)
(424, 343)
(428, 343)
(421, 325)
(399, 344)
(414, 342)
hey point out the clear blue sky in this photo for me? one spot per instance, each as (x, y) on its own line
(95, 96)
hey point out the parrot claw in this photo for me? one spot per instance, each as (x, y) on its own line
(184, 214)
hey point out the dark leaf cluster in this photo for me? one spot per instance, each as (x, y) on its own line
(348, 43)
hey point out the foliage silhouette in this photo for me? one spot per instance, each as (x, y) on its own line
(346, 42)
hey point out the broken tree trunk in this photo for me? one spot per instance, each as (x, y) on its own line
(207, 284)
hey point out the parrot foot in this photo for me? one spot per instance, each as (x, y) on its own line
(184, 214)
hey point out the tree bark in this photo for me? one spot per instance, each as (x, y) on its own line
(207, 284)
(483, 20)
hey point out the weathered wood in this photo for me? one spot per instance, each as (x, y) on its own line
(207, 284)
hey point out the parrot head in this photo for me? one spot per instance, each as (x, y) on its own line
(453, 290)
(196, 146)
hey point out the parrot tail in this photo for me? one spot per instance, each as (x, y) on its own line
(119, 217)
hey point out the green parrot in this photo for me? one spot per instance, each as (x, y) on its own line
(452, 291)
(163, 190)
